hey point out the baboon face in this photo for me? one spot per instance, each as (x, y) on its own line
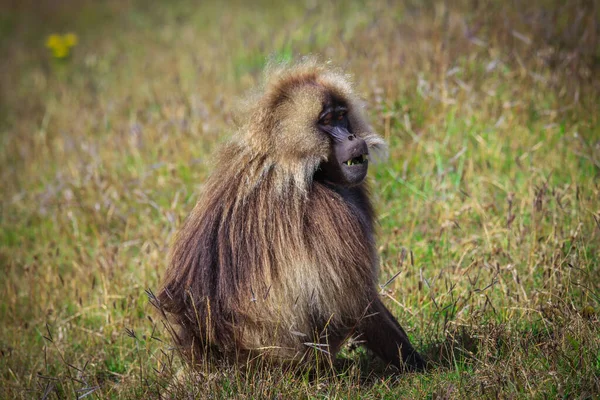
(347, 163)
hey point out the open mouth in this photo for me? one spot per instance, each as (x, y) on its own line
(358, 160)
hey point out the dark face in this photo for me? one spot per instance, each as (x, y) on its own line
(347, 164)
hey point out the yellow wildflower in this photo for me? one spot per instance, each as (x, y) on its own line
(60, 45)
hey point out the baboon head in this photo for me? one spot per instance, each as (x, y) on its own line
(314, 122)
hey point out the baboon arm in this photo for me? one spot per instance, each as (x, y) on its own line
(384, 336)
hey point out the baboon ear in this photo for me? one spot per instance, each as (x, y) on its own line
(378, 150)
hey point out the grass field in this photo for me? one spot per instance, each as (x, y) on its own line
(489, 202)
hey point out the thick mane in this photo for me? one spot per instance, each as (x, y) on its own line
(248, 243)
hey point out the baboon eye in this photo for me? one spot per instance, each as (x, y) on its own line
(341, 113)
(326, 120)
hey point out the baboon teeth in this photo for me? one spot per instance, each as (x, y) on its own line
(356, 160)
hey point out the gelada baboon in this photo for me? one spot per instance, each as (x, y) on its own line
(278, 257)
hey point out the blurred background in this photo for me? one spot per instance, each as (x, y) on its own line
(489, 203)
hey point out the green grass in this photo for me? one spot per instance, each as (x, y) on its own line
(489, 202)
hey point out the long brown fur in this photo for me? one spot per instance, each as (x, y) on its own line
(271, 260)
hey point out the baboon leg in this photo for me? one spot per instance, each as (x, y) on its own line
(385, 337)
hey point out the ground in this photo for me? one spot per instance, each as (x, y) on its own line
(488, 204)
